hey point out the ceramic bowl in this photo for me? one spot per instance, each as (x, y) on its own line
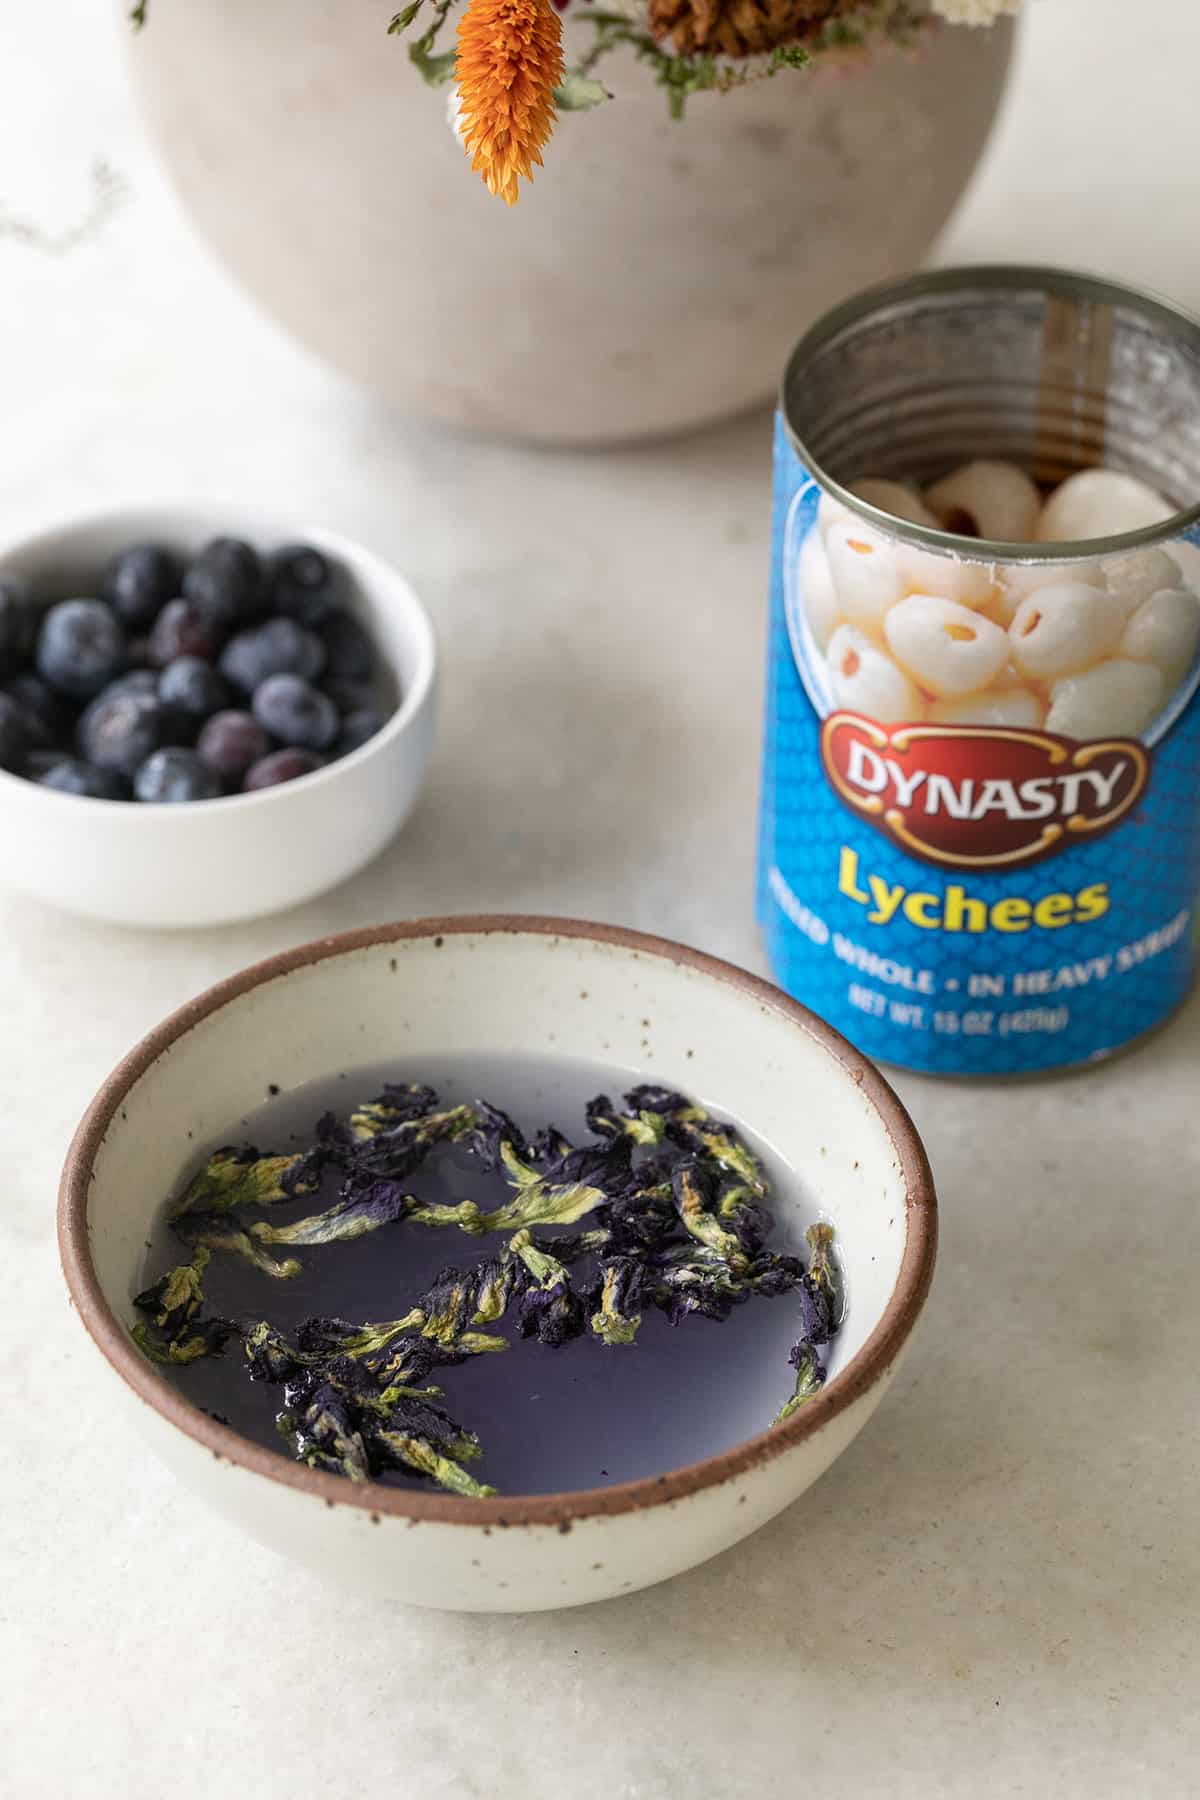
(217, 860)
(476, 986)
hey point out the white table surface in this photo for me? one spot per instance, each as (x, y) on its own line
(995, 1591)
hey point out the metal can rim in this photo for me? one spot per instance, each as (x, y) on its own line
(1070, 283)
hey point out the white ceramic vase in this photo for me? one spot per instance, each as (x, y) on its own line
(652, 279)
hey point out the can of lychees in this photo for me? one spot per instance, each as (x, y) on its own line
(980, 836)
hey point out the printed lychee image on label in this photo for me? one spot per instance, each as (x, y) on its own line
(980, 844)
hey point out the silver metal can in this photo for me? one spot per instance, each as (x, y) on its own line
(980, 834)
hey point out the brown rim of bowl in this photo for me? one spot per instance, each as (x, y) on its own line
(559, 1510)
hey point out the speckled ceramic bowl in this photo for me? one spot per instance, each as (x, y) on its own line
(477, 986)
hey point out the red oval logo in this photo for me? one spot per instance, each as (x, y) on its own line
(978, 797)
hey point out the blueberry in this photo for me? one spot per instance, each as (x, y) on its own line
(296, 713)
(170, 777)
(119, 732)
(18, 624)
(40, 761)
(225, 582)
(281, 765)
(302, 584)
(348, 649)
(139, 581)
(14, 736)
(192, 687)
(134, 681)
(70, 776)
(80, 647)
(357, 727)
(348, 695)
(47, 720)
(280, 647)
(230, 742)
(183, 629)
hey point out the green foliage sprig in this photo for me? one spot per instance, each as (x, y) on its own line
(435, 69)
(680, 75)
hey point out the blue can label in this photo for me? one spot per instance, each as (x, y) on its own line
(980, 836)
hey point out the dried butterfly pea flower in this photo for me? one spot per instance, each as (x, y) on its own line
(673, 1106)
(334, 1147)
(495, 1284)
(385, 1400)
(569, 1246)
(206, 1232)
(518, 1166)
(340, 1337)
(351, 1405)
(548, 1144)
(618, 1310)
(328, 1435)
(649, 1111)
(403, 1362)
(396, 1105)
(697, 1196)
(642, 1217)
(269, 1356)
(441, 1316)
(448, 1305)
(537, 1204)
(823, 1276)
(437, 1127)
(571, 1184)
(389, 1138)
(334, 1137)
(640, 1127)
(176, 1298)
(548, 1308)
(721, 1144)
(419, 1456)
(476, 1343)
(207, 1337)
(394, 1147)
(464, 1214)
(773, 1272)
(694, 1279)
(545, 1204)
(606, 1166)
(367, 1410)
(417, 1417)
(810, 1379)
(382, 1203)
(325, 1436)
(233, 1178)
(372, 1358)
(820, 1297)
(493, 1133)
(603, 1166)
(368, 1382)
(741, 1211)
(176, 1333)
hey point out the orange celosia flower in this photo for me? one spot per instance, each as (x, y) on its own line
(509, 63)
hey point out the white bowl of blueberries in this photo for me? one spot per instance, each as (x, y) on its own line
(204, 718)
